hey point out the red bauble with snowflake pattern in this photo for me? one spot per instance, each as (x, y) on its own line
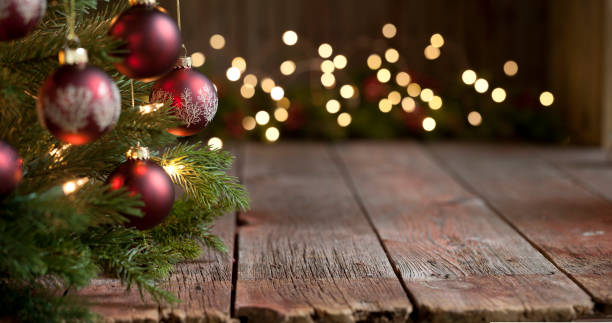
(19, 17)
(11, 168)
(78, 103)
(193, 95)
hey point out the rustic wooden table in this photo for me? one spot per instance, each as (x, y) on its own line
(381, 231)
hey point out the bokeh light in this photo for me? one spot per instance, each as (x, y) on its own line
(233, 74)
(262, 117)
(426, 95)
(267, 84)
(413, 89)
(436, 40)
(290, 37)
(325, 50)
(287, 67)
(328, 80)
(332, 106)
(250, 79)
(239, 63)
(272, 134)
(435, 103)
(547, 98)
(340, 61)
(394, 97)
(283, 103)
(327, 66)
(481, 85)
(468, 77)
(402, 79)
(429, 124)
(474, 118)
(389, 30)
(498, 95)
(249, 123)
(408, 104)
(510, 68)
(347, 91)
(277, 93)
(198, 59)
(281, 114)
(431, 52)
(384, 105)
(217, 41)
(383, 75)
(374, 62)
(392, 55)
(215, 143)
(344, 119)
(247, 91)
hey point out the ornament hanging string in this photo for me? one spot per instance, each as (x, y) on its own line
(132, 92)
(69, 7)
(178, 21)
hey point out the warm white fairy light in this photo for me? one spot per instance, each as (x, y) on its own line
(283, 103)
(290, 37)
(383, 75)
(481, 85)
(215, 143)
(72, 186)
(325, 50)
(474, 118)
(217, 41)
(374, 62)
(408, 104)
(344, 119)
(233, 74)
(287, 67)
(510, 68)
(384, 105)
(239, 63)
(429, 124)
(389, 30)
(547, 98)
(413, 89)
(468, 77)
(436, 40)
(394, 97)
(247, 91)
(57, 152)
(435, 103)
(392, 55)
(151, 107)
(281, 114)
(272, 134)
(267, 84)
(250, 79)
(328, 80)
(498, 95)
(347, 91)
(277, 93)
(249, 123)
(431, 52)
(198, 59)
(340, 61)
(262, 117)
(327, 66)
(426, 95)
(402, 79)
(332, 106)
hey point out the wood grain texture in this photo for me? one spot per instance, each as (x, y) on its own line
(567, 222)
(306, 250)
(458, 259)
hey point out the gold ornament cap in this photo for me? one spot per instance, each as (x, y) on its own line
(138, 153)
(184, 62)
(73, 56)
(143, 2)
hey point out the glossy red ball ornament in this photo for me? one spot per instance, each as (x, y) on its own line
(11, 168)
(152, 41)
(19, 17)
(194, 97)
(78, 103)
(144, 177)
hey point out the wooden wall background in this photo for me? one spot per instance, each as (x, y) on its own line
(557, 43)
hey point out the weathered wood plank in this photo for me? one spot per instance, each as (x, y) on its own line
(306, 250)
(546, 205)
(458, 259)
(204, 287)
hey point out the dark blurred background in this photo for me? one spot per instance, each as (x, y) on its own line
(558, 46)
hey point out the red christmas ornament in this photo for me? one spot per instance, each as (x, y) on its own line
(11, 168)
(153, 40)
(142, 176)
(19, 17)
(78, 103)
(193, 96)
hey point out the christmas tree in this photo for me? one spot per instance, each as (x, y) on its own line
(72, 206)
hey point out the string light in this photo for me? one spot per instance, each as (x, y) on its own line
(383, 75)
(435, 103)
(277, 93)
(374, 62)
(426, 95)
(327, 66)
(510, 68)
(290, 38)
(249, 123)
(72, 186)
(217, 41)
(247, 91)
(347, 91)
(547, 98)
(332, 106)
(287, 67)
(340, 61)
(262, 117)
(431, 52)
(429, 124)
(272, 134)
(251, 80)
(384, 105)
(56, 153)
(408, 104)
(391, 55)
(267, 84)
(468, 77)
(344, 119)
(402, 79)
(413, 89)
(281, 114)
(233, 74)
(173, 170)
(474, 118)
(481, 85)
(239, 63)
(325, 50)
(328, 80)
(498, 95)
(151, 107)
(389, 30)
(197, 59)
(436, 40)
(215, 143)
(394, 97)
